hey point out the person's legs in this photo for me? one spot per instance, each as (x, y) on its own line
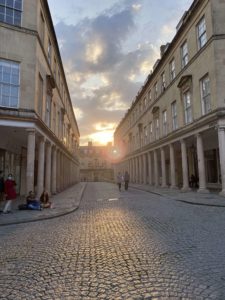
(8, 206)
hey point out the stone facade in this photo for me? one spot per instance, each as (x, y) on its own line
(41, 136)
(96, 163)
(173, 133)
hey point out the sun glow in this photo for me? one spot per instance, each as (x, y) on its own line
(102, 137)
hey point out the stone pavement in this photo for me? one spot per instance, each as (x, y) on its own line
(63, 203)
(191, 197)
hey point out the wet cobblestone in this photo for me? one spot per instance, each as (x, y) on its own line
(136, 246)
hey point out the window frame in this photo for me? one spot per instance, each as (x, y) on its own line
(10, 84)
(13, 9)
(204, 99)
(188, 118)
(174, 115)
(172, 69)
(184, 54)
(164, 122)
(201, 37)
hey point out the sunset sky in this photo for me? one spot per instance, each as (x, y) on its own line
(108, 49)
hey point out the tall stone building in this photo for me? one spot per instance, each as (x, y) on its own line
(39, 133)
(96, 163)
(174, 129)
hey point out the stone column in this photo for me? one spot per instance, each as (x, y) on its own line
(41, 167)
(149, 168)
(163, 166)
(30, 160)
(48, 168)
(58, 171)
(184, 166)
(54, 159)
(201, 165)
(172, 168)
(144, 169)
(221, 138)
(156, 171)
(137, 171)
(140, 170)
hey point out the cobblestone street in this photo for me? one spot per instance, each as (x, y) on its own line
(128, 245)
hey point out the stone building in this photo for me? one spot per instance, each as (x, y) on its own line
(39, 133)
(174, 128)
(96, 163)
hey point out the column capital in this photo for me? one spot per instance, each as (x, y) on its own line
(31, 130)
(221, 128)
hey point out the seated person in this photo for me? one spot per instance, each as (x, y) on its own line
(45, 203)
(32, 201)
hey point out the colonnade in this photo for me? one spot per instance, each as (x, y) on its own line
(56, 169)
(150, 167)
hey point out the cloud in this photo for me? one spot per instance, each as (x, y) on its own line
(103, 70)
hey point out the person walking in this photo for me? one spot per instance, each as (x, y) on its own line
(126, 180)
(119, 180)
(10, 192)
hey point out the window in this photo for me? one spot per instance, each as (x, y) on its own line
(149, 96)
(157, 128)
(48, 110)
(54, 118)
(40, 95)
(42, 28)
(172, 70)
(49, 51)
(201, 33)
(11, 11)
(187, 107)
(140, 108)
(205, 95)
(54, 70)
(163, 78)
(150, 132)
(145, 135)
(174, 115)
(156, 90)
(184, 55)
(145, 103)
(165, 122)
(9, 83)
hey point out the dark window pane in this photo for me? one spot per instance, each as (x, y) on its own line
(1, 17)
(18, 4)
(13, 101)
(14, 91)
(17, 18)
(2, 2)
(5, 100)
(2, 10)
(9, 3)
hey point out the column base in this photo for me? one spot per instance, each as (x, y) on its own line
(185, 189)
(203, 191)
(165, 186)
(222, 193)
(174, 187)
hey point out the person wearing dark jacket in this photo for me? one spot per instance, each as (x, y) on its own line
(126, 180)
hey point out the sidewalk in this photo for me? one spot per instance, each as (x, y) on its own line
(63, 203)
(191, 197)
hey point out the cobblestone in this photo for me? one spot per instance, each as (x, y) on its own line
(138, 247)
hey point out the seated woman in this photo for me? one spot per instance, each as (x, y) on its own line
(32, 201)
(45, 203)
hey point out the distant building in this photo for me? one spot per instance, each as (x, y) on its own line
(39, 133)
(174, 132)
(96, 163)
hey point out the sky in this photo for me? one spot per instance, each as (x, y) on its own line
(108, 49)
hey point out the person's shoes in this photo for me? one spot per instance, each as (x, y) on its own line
(7, 212)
